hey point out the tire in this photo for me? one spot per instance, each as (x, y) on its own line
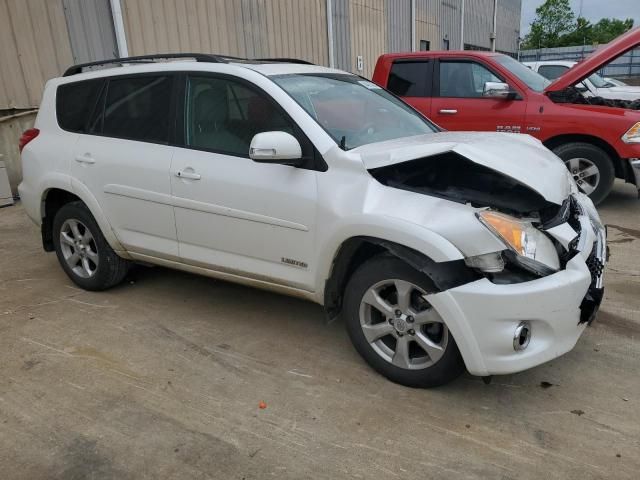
(580, 157)
(82, 250)
(384, 274)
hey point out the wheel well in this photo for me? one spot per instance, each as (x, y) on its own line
(53, 200)
(554, 142)
(357, 250)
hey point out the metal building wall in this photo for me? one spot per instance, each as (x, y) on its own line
(398, 14)
(341, 14)
(479, 22)
(368, 34)
(428, 23)
(91, 31)
(34, 46)
(247, 28)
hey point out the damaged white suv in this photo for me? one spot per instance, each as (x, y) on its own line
(440, 250)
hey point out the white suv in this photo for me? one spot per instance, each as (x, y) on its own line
(439, 249)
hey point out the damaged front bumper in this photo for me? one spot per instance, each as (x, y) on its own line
(635, 169)
(483, 316)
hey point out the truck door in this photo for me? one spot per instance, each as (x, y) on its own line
(459, 102)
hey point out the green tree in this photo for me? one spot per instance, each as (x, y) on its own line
(609, 28)
(554, 18)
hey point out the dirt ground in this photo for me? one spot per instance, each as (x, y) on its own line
(162, 377)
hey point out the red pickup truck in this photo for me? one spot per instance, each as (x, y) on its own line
(486, 91)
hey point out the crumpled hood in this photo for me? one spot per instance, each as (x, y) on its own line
(520, 157)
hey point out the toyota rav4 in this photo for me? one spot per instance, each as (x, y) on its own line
(438, 249)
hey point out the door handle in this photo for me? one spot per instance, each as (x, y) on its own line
(448, 111)
(188, 175)
(86, 158)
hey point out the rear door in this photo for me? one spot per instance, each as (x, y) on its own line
(124, 158)
(410, 79)
(458, 102)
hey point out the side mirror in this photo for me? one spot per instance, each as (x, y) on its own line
(275, 147)
(498, 90)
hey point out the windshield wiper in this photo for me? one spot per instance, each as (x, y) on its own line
(343, 142)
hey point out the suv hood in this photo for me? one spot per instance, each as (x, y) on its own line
(522, 158)
(596, 60)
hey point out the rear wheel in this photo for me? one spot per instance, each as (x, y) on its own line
(591, 167)
(82, 250)
(395, 329)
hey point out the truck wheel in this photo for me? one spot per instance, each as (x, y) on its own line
(395, 329)
(591, 167)
(82, 250)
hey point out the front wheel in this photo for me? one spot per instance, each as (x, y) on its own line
(591, 167)
(395, 329)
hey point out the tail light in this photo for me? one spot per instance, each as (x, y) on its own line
(27, 136)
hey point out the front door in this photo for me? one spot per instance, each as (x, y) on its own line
(232, 214)
(459, 104)
(125, 159)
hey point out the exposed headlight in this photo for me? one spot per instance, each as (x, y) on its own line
(632, 135)
(533, 250)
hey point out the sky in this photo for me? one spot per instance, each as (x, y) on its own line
(592, 10)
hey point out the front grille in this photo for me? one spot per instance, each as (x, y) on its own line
(596, 267)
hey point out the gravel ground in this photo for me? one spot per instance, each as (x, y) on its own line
(163, 377)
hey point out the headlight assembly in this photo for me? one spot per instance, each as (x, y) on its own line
(529, 247)
(632, 135)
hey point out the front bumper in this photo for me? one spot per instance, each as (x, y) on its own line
(635, 169)
(482, 316)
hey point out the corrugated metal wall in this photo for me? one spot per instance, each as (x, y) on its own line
(247, 28)
(34, 46)
(91, 31)
(368, 34)
(40, 38)
(399, 25)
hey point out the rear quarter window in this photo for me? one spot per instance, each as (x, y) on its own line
(408, 78)
(75, 102)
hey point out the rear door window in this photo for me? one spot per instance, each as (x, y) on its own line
(138, 108)
(552, 71)
(75, 102)
(409, 78)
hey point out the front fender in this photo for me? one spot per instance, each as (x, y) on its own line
(394, 230)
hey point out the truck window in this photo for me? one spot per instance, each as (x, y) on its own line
(552, 71)
(464, 79)
(409, 78)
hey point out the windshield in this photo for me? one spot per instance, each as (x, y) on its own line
(354, 111)
(599, 82)
(534, 80)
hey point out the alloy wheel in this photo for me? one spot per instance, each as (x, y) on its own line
(79, 248)
(585, 173)
(401, 326)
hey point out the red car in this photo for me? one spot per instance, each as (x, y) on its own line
(486, 91)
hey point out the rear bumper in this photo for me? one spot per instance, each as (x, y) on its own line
(483, 316)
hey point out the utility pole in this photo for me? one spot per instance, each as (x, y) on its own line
(493, 34)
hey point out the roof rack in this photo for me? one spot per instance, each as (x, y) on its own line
(198, 57)
(284, 60)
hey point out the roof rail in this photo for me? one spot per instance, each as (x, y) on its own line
(198, 57)
(284, 60)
